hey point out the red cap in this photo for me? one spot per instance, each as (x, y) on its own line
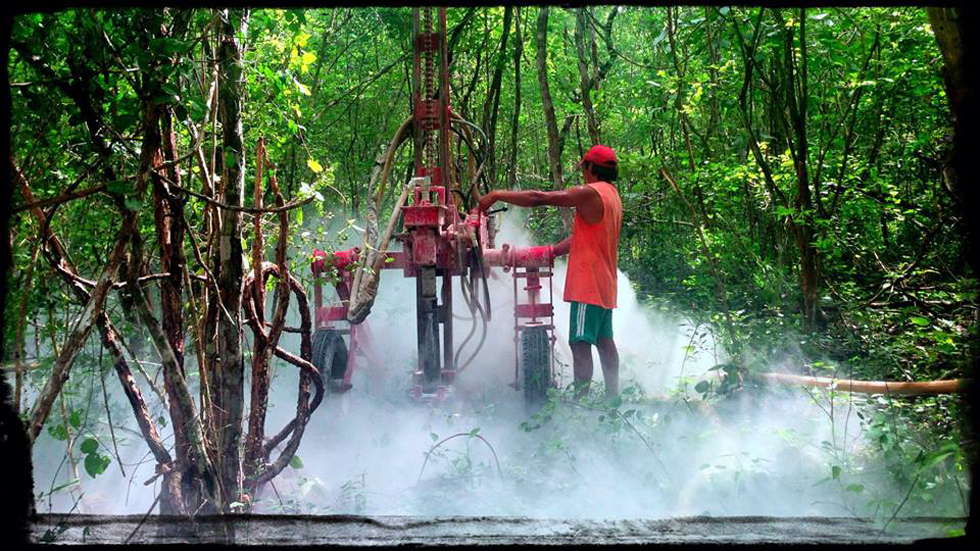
(600, 155)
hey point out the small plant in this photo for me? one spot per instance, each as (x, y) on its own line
(352, 494)
(462, 463)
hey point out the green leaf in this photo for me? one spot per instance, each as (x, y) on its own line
(782, 211)
(196, 107)
(702, 386)
(938, 456)
(75, 419)
(58, 432)
(180, 112)
(821, 481)
(65, 485)
(166, 45)
(475, 431)
(835, 472)
(125, 120)
(90, 445)
(296, 462)
(433, 436)
(856, 488)
(122, 187)
(922, 322)
(95, 464)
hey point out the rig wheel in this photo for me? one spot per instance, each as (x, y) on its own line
(330, 357)
(536, 365)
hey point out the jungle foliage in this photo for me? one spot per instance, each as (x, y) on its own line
(784, 176)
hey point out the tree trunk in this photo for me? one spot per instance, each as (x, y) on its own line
(515, 120)
(714, 113)
(803, 231)
(225, 358)
(266, 341)
(168, 212)
(171, 500)
(80, 332)
(585, 81)
(954, 29)
(796, 94)
(492, 105)
(551, 124)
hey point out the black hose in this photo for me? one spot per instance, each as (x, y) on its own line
(484, 315)
(483, 274)
(464, 197)
(486, 141)
(459, 350)
(483, 338)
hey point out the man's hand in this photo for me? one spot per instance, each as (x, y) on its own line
(562, 248)
(487, 201)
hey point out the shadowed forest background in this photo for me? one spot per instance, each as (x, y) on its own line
(786, 178)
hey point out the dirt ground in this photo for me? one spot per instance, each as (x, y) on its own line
(394, 530)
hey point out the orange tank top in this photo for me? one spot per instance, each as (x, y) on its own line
(592, 257)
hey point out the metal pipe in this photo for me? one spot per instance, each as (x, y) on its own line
(917, 388)
(523, 257)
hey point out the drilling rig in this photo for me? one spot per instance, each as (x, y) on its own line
(442, 239)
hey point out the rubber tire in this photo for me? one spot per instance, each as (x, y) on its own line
(329, 355)
(536, 367)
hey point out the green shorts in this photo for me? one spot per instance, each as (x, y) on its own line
(589, 323)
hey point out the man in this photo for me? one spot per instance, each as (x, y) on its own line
(590, 284)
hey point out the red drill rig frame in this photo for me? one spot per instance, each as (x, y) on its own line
(440, 241)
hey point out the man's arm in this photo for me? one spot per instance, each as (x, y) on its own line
(583, 198)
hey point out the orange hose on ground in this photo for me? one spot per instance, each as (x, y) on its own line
(952, 386)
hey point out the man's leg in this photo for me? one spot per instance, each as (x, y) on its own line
(608, 355)
(609, 358)
(582, 366)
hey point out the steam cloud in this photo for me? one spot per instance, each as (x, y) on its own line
(363, 451)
